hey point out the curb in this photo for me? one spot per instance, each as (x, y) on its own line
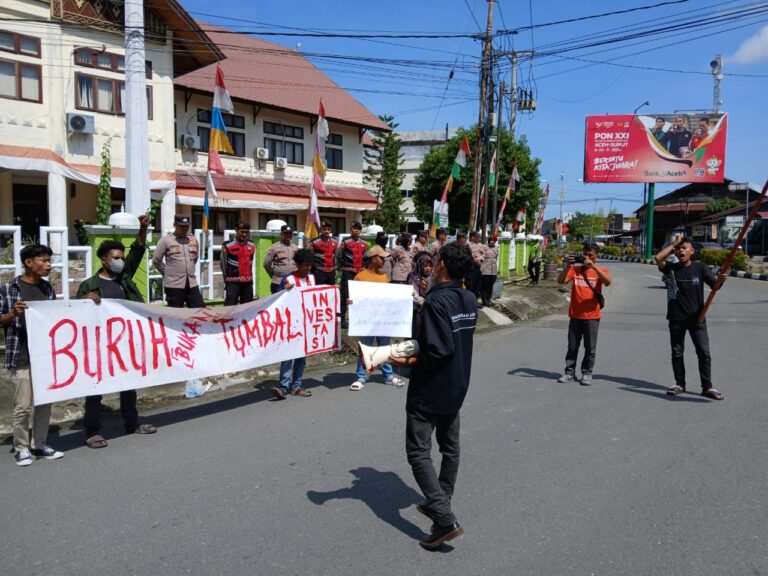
(731, 273)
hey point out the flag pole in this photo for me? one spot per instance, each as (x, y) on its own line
(729, 259)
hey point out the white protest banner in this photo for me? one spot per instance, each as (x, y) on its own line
(80, 348)
(440, 209)
(380, 309)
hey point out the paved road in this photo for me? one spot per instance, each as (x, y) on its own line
(555, 479)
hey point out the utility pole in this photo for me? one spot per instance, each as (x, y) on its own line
(484, 73)
(513, 98)
(562, 197)
(498, 159)
(488, 157)
(136, 128)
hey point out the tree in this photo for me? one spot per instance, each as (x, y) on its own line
(436, 167)
(586, 226)
(104, 199)
(715, 206)
(385, 173)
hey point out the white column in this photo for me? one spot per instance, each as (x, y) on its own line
(136, 123)
(6, 199)
(167, 210)
(57, 207)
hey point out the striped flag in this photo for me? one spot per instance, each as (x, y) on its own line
(312, 225)
(321, 135)
(494, 170)
(313, 212)
(218, 140)
(461, 158)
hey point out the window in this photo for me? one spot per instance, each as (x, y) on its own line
(104, 95)
(232, 122)
(218, 219)
(265, 217)
(106, 61)
(280, 147)
(334, 157)
(19, 44)
(20, 81)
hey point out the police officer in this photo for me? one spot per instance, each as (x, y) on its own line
(237, 266)
(278, 261)
(324, 255)
(421, 242)
(175, 257)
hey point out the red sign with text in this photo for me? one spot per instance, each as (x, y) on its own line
(661, 148)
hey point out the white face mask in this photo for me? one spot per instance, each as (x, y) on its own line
(116, 265)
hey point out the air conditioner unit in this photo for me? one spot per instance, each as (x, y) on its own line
(281, 163)
(190, 142)
(262, 153)
(79, 123)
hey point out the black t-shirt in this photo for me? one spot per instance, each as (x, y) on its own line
(685, 289)
(29, 293)
(440, 379)
(111, 289)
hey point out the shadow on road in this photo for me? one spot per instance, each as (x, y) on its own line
(534, 373)
(383, 492)
(646, 388)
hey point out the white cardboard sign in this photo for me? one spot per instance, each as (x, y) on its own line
(380, 309)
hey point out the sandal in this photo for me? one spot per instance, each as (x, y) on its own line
(301, 392)
(96, 441)
(145, 429)
(675, 390)
(357, 385)
(712, 394)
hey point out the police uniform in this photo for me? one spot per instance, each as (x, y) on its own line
(175, 258)
(278, 262)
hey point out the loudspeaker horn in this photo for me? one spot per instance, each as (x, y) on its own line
(373, 356)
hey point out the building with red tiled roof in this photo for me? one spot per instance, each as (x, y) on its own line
(276, 94)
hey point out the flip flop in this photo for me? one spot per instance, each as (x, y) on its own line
(712, 394)
(675, 390)
(96, 441)
(145, 429)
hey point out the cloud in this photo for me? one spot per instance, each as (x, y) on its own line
(753, 49)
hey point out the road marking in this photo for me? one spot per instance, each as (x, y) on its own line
(652, 276)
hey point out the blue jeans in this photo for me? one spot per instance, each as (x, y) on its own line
(292, 368)
(386, 369)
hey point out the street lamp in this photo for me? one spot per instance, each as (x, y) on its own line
(646, 103)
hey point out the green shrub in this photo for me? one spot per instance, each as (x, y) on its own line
(717, 258)
(610, 251)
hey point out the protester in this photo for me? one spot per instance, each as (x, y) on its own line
(278, 261)
(402, 259)
(237, 266)
(440, 236)
(439, 384)
(373, 273)
(478, 255)
(114, 280)
(350, 255)
(422, 238)
(534, 263)
(587, 280)
(421, 281)
(382, 239)
(685, 301)
(489, 271)
(175, 257)
(14, 295)
(324, 255)
(292, 371)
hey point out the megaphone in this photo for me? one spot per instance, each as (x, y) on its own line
(373, 356)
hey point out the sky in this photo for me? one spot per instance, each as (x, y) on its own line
(408, 78)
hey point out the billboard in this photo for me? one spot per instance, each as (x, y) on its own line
(657, 148)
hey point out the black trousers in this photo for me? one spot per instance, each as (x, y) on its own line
(324, 278)
(128, 411)
(474, 280)
(345, 278)
(437, 490)
(237, 293)
(177, 297)
(534, 269)
(578, 329)
(700, 338)
(486, 288)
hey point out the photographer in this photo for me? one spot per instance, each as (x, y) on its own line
(586, 302)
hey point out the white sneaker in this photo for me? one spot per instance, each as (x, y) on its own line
(47, 452)
(357, 385)
(395, 381)
(23, 457)
(565, 378)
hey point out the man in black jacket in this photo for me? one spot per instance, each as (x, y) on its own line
(439, 383)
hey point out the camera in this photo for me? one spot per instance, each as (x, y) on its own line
(578, 259)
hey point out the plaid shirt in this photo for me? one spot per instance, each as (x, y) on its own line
(10, 293)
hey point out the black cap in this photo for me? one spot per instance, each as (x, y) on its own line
(286, 228)
(181, 220)
(440, 231)
(461, 234)
(422, 233)
(356, 224)
(380, 234)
